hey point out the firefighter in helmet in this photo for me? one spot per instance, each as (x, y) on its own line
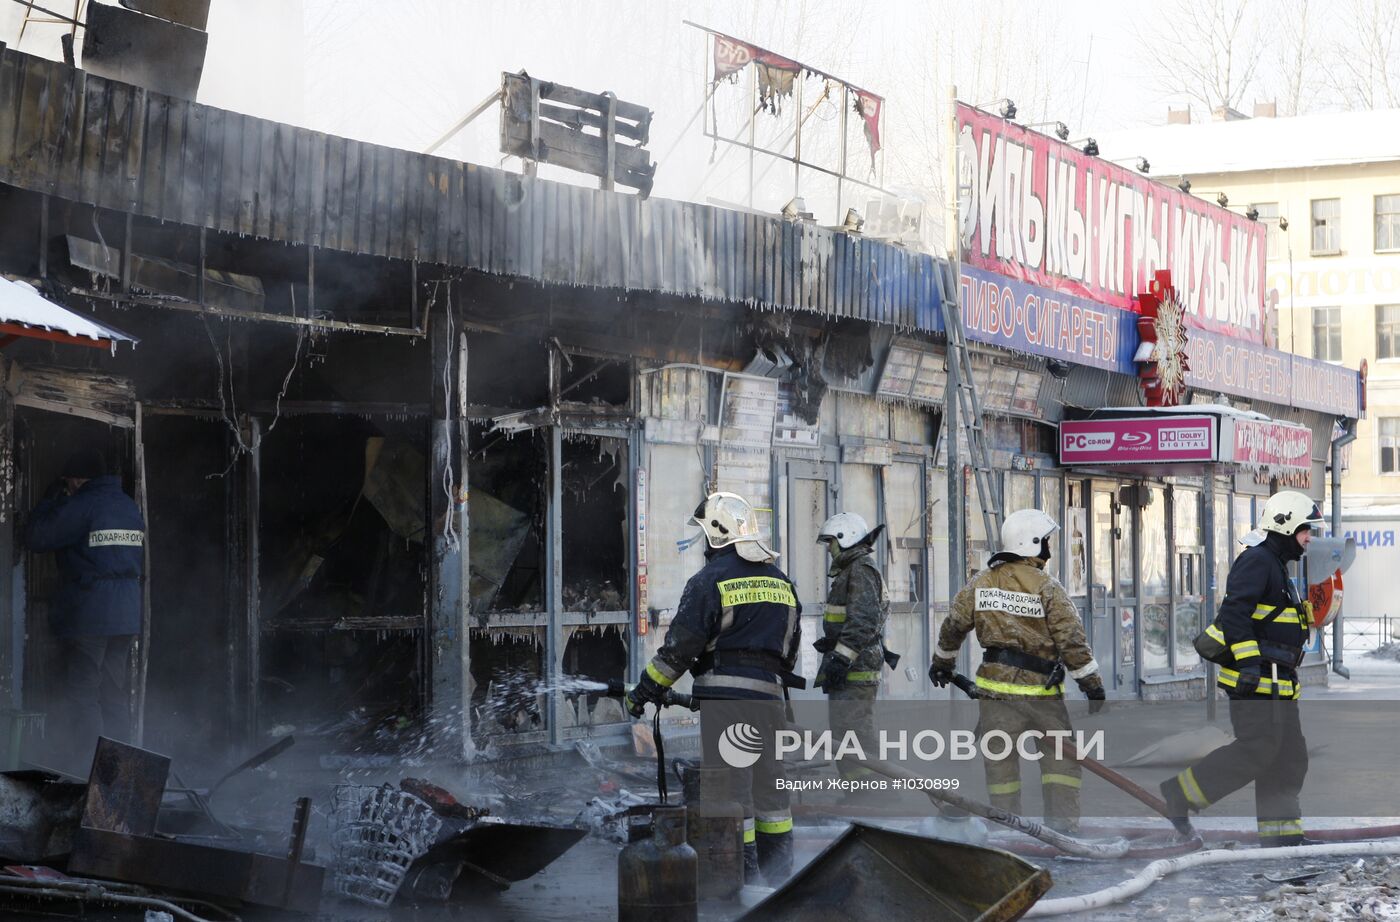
(736, 630)
(1258, 638)
(852, 641)
(1032, 639)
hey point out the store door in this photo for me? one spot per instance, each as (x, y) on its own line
(1113, 595)
(809, 502)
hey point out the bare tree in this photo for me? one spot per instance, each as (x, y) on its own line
(1300, 78)
(1365, 55)
(1206, 51)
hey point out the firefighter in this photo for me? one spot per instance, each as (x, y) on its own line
(1264, 626)
(736, 630)
(852, 644)
(98, 538)
(1033, 640)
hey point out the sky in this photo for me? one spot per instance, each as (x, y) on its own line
(401, 72)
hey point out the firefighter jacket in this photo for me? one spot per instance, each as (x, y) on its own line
(99, 540)
(1263, 622)
(737, 630)
(856, 609)
(1015, 606)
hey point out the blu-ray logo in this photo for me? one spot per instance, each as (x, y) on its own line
(740, 745)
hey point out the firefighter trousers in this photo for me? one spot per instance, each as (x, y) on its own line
(1269, 750)
(754, 785)
(851, 709)
(1059, 777)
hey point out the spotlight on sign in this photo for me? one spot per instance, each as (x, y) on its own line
(1184, 185)
(1223, 200)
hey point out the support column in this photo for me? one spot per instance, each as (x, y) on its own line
(252, 576)
(12, 608)
(449, 715)
(554, 584)
(1208, 580)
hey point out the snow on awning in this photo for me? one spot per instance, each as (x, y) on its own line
(26, 313)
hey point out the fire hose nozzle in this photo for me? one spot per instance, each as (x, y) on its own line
(618, 689)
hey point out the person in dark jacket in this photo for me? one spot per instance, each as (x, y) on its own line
(1264, 626)
(736, 630)
(98, 537)
(853, 634)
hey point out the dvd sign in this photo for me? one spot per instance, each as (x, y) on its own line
(1142, 440)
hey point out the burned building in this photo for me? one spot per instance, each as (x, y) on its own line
(417, 439)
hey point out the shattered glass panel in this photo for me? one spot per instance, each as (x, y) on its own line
(1156, 590)
(858, 415)
(904, 504)
(804, 565)
(675, 484)
(858, 492)
(676, 393)
(913, 425)
(593, 519)
(749, 409)
(904, 635)
(790, 428)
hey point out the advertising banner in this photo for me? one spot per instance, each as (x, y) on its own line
(1165, 439)
(1241, 369)
(1036, 210)
(1020, 315)
(1272, 444)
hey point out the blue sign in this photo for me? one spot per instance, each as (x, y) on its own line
(1019, 315)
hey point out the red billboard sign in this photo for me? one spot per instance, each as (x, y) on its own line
(1165, 439)
(1037, 210)
(1273, 445)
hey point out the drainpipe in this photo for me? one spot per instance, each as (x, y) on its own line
(1347, 437)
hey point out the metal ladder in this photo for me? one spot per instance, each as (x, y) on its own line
(970, 411)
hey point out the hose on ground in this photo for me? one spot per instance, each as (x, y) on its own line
(1080, 848)
(1159, 869)
(1139, 848)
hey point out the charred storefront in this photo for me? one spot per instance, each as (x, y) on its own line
(417, 440)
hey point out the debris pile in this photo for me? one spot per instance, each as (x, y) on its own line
(378, 833)
(1364, 889)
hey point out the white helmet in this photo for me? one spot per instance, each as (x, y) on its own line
(847, 528)
(1024, 532)
(727, 518)
(1287, 511)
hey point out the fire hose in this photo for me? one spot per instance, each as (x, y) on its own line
(1080, 848)
(1159, 869)
(1123, 783)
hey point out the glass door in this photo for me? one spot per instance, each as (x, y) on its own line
(810, 502)
(1113, 596)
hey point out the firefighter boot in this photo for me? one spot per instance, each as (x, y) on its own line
(1178, 811)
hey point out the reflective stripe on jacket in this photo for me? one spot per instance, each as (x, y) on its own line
(1015, 605)
(1262, 622)
(856, 609)
(98, 538)
(732, 606)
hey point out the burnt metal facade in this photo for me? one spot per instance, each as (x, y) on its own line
(86, 139)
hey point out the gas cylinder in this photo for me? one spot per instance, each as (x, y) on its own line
(715, 829)
(658, 878)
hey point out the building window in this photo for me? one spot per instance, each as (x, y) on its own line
(1388, 331)
(1326, 226)
(1327, 334)
(1387, 222)
(1390, 444)
(1273, 236)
